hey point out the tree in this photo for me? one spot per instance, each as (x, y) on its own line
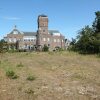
(3, 46)
(88, 39)
(85, 40)
(96, 23)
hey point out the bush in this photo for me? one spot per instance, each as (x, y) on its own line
(29, 91)
(11, 74)
(20, 65)
(31, 78)
(45, 48)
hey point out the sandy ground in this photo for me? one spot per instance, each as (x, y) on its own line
(58, 76)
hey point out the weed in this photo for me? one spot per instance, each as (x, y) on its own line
(78, 77)
(31, 78)
(51, 53)
(20, 65)
(11, 74)
(29, 91)
(98, 56)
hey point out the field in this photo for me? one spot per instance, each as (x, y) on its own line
(49, 76)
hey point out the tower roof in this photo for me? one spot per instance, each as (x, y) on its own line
(42, 15)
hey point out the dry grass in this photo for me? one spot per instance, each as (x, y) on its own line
(58, 76)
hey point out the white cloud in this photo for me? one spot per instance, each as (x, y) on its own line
(11, 18)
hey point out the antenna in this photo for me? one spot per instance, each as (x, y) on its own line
(15, 27)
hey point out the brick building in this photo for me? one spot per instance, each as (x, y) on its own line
(36, 40)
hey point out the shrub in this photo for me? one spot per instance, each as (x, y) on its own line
(57, 48)
(29, 91)
(20, 65)
(11, 74)
(31, 78)
(45, 48)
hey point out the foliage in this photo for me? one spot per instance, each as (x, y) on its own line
(11, 74)
(20, 65)
(57, 48)
(45, 48)
(96, 23)
(88, 39)
(3, 46)
(31, 78)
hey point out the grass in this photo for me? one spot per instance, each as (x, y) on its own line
(11, 74)
(20, 65)
(31, 78)
(53, 75)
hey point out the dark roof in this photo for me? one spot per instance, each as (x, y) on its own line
(29, 33)
(53, 31)
(42, 15)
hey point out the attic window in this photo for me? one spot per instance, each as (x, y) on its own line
(15, 32)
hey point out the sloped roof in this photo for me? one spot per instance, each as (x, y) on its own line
(24, 33)
(53, 31)
(29, 33)
(15, 30)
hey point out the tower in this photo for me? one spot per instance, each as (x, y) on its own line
(43, 24)
(42, 30)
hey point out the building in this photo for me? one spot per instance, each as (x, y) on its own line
(36, 40)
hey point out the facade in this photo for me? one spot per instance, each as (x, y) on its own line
(36, 40)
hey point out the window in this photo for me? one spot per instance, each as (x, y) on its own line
(15, 32)
(54, 40)
(14, 39)
(31, 39)
(48, 45)
(10, 39)
(43, 30)
(58, 40)
(48, 39)
(44, 39)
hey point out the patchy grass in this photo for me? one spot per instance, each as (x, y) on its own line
(31, 78)
(20, 65)
(57, 76)
(11, 74)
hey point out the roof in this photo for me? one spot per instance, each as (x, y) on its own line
(15, 30)
(53, 31)
(42, 15)
(24, 33)
(29, 33)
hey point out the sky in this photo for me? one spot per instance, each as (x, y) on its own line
(67, 16)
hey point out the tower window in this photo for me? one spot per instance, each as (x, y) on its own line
(43, 30)
(44, 39)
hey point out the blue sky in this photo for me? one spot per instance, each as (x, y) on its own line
(67, 16)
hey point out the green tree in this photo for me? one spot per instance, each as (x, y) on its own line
(85, 40)
(88, 39)
(96, 23)
(3, 46)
